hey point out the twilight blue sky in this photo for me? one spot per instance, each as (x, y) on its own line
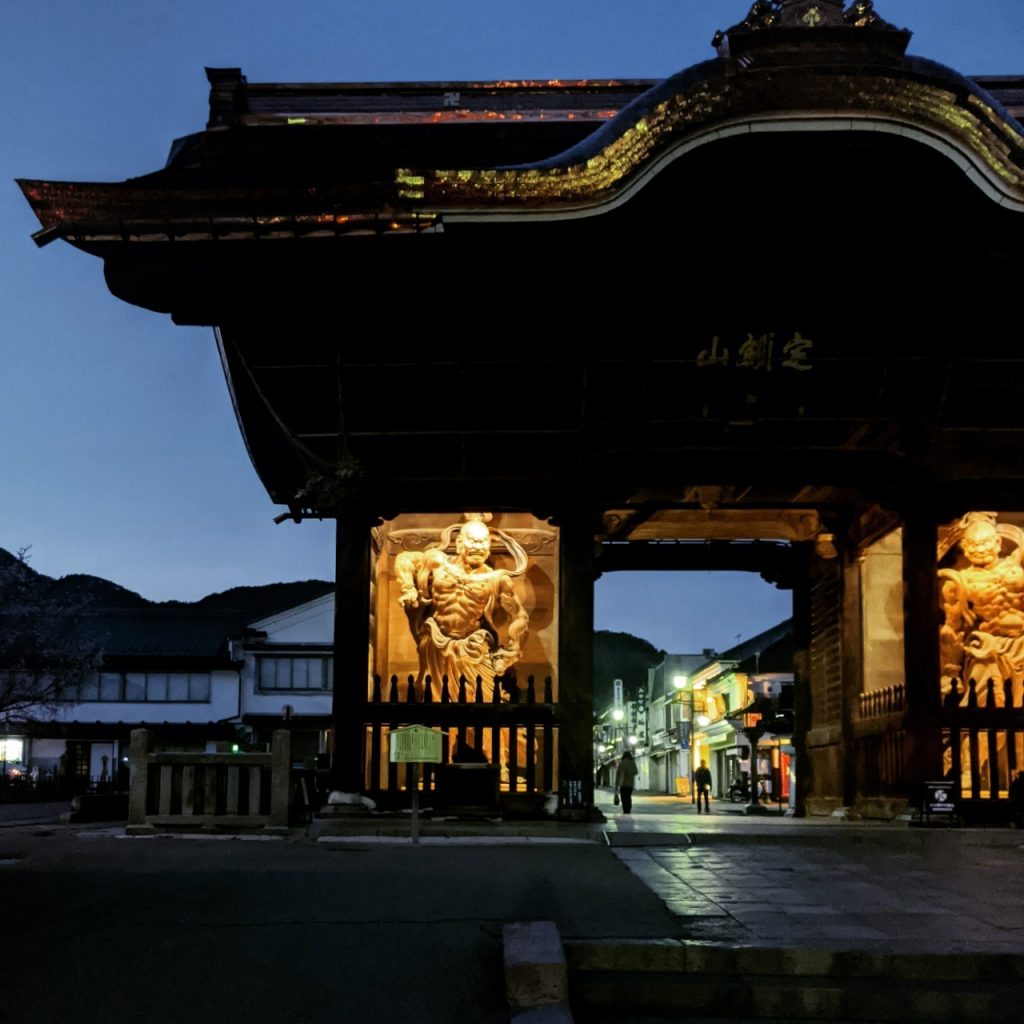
(119, 454)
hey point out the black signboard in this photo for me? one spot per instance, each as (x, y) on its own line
(939, 798)
(572, 793)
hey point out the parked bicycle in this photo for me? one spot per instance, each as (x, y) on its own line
(739, 791)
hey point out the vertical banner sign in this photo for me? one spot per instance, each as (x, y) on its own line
(684, 735)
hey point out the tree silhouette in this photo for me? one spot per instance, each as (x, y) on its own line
(44, 651)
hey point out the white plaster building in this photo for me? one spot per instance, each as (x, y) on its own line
(200, 680)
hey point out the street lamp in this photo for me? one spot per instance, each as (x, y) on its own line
(618, 715)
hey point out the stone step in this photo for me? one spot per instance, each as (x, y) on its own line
(630, 980)
(536, 978)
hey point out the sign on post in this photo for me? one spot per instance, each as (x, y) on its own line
(415, 744)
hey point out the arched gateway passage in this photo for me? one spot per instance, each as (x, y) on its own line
(761, 299)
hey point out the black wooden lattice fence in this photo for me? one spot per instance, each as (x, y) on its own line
(517, 727)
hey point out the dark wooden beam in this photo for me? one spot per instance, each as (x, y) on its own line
(771, 559)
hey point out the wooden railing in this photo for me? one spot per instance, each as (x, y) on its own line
(982, 741)
(886, 701)
(187, 790)
(983, 738)
(517, 730)
(882, 764)
(983, 693)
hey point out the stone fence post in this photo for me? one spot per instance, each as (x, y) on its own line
(280, 778)
(138, 765)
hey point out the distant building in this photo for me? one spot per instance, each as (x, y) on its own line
(694, 715)
(662, 762)
(199, 679)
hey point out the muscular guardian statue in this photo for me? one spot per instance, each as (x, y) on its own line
(982, 636)
(454, 605)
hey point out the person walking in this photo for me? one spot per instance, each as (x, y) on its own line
(702, 782)
(625, 778)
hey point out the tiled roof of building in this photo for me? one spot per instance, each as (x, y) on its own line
(157, 632)
(769, 651)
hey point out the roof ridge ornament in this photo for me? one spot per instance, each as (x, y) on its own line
(787, 26)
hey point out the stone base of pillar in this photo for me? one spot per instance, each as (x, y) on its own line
(590, 813)
(846, 814)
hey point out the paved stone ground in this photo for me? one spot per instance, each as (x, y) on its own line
(840, 885)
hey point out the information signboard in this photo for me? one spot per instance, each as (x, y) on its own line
(416, 744)
(939, 798)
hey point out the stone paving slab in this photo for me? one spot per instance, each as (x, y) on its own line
(933, 897)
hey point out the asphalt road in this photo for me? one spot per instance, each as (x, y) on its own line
(101, 928)
(24, 813)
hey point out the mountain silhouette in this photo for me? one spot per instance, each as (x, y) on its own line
(95, 593)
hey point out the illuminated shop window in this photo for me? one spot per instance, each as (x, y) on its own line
(12, 749)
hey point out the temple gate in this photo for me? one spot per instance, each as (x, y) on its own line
(653, 321)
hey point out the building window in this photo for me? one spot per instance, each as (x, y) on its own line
(12, 749)
(134, 686)
(110, 686)
(289, 672)
(143, 688)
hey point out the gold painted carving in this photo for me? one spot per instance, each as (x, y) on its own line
(973, 123)
(862, 14)
(532, 541)
(761, 15)
(982, 634)
(458, 607)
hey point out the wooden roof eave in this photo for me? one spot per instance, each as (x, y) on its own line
(82, 212)
(918, 99)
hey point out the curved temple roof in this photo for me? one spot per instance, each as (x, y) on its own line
(576, 148)
(918, 99)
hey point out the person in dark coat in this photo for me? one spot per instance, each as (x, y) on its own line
(625, 778)
(702, 783)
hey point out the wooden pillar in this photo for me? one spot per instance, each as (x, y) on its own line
(803, 706)
(576, 664)
(852, 674)
(824, 694)
(921, 645)
(351, 643)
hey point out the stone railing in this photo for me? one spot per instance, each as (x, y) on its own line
(177, 790)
